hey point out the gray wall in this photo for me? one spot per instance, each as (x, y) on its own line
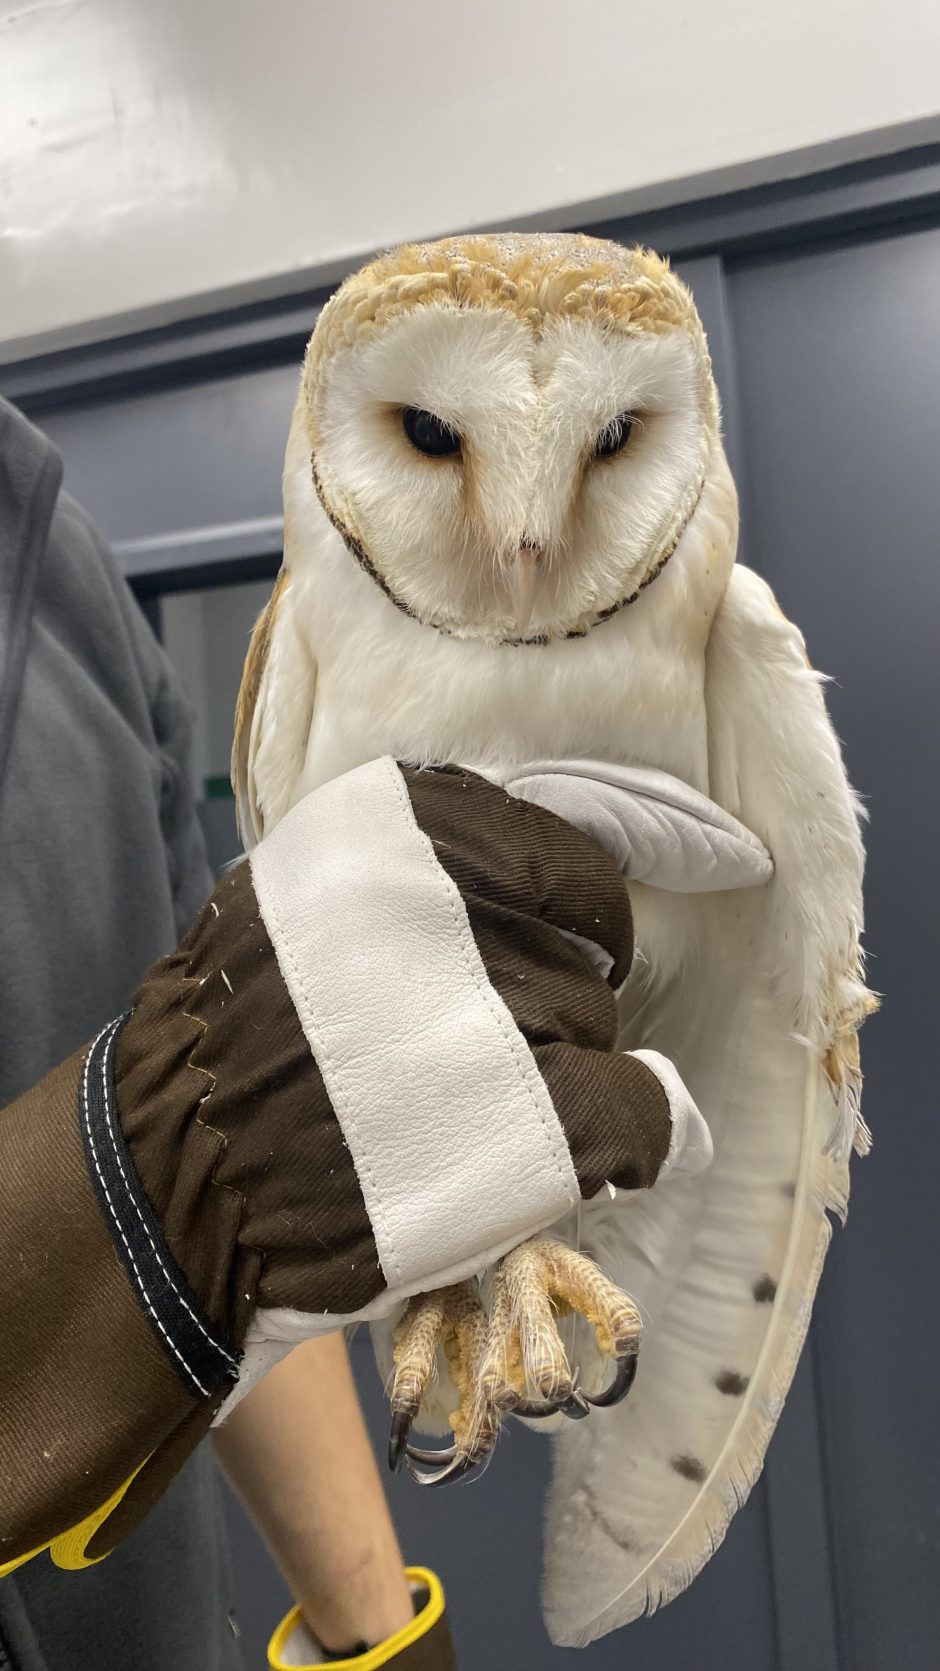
(206, 633)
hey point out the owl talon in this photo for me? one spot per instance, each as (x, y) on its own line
(457, 1469)
(450, 1321)
(575, 1407)
(398, 1436)
(416, 1453)
(624, 1377)
(526, 1355)
(510, 1363)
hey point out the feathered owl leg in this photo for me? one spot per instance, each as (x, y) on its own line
(454, 1319)
(533, 1285)
(498, 1361)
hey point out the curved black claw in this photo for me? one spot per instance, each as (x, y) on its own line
(398, 1437)
(575, 1406)
(624, 1376)
(415, 1453)
(457, 1469)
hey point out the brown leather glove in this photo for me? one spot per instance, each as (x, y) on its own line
(382, 1056)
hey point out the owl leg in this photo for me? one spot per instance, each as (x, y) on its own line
(452, 1318)
(533, 1285)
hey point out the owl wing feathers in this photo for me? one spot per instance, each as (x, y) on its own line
(775, 760)
(273, 715)
(760, 1015)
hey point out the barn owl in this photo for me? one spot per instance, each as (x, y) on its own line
(509, 536)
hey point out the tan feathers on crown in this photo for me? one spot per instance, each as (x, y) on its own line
(536, 278)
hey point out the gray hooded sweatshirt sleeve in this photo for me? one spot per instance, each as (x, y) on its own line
(102, 866)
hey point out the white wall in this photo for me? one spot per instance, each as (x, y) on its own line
(156, 154)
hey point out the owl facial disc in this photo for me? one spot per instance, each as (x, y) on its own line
(510, 434)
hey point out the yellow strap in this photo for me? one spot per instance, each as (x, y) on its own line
(67, 1549)
(385, 1651)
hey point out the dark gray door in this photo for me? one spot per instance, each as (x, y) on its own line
(827, 357)
(837, 355)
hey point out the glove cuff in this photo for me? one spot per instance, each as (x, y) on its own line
(422, 1645)
(201, 1353)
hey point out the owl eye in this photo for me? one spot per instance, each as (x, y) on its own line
(430, 435)
(614, 436)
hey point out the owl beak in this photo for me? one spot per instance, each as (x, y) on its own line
(523, 578)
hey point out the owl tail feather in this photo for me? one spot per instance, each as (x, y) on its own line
(724, 1268)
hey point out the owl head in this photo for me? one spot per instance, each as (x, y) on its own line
(499, 445)
(511, 432)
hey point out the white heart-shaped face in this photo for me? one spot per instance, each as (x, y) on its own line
(547, 513)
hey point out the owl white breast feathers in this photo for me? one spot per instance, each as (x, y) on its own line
(510, 533)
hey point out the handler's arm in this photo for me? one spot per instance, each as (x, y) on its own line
(297, 1452)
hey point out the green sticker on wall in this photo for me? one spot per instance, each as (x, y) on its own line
(218, 788)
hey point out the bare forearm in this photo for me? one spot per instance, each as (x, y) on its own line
(297, 1452)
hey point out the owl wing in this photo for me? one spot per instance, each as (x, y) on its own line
(273, 714)
(759, 1004)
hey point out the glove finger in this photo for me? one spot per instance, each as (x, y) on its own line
(628, 1117)
(655, 828)
(516, 856)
